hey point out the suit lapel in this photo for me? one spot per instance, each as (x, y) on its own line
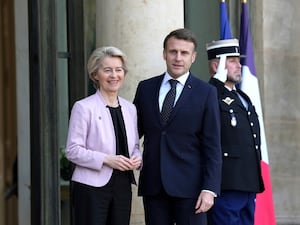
(155, 97)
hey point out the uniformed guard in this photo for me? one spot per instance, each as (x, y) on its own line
(240, 138)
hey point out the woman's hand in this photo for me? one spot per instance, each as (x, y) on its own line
(123, 163)
(136, 162)
(119, 162)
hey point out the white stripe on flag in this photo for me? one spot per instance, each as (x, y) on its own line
(250, 86)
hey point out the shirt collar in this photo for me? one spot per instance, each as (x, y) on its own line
(229, 88)
(182, 79)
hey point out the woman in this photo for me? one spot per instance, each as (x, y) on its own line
(103, 144)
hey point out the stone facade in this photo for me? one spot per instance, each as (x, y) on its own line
(138, 28)
(275, 33)
(281, 88)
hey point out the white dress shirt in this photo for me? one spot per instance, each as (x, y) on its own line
(166, 86)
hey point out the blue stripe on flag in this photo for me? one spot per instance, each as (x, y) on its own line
(225, 32)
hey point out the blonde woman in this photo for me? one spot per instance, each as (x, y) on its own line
(103, 144)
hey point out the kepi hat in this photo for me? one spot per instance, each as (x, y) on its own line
(228, 47)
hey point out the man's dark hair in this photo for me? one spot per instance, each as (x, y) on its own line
(183, 34)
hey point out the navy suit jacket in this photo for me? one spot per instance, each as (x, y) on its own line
(182, 157)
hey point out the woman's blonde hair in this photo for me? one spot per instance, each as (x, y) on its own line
(97, 57)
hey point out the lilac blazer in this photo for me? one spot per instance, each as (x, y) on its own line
(91, 137)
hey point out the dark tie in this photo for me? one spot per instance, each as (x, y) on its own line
(235, 93)
(169, 101)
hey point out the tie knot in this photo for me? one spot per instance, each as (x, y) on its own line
(234, 92)
(173, 83)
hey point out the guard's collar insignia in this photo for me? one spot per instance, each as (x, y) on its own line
(228, 100)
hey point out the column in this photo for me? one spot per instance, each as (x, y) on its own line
(138, 28)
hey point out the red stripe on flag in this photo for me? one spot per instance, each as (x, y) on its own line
(264, 212)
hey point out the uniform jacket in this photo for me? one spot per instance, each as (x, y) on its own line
(91, 137)
(184, 156)
(240, 140)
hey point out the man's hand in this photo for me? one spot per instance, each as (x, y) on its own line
(205, 202)
(221, 73)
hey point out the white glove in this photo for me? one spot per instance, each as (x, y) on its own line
(221, 73)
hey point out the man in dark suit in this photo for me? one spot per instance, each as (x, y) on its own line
(181, 169)
(240, 139)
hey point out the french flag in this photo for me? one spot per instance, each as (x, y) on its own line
(225, 32)
(264, 212)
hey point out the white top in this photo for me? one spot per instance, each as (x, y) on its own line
(166, 86)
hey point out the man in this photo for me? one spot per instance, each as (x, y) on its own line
(240, 139)
(181, 169)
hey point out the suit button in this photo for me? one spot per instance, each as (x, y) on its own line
(254, 135)
(251, 124)
(249, 113)
(256, 147)
(225, 154)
